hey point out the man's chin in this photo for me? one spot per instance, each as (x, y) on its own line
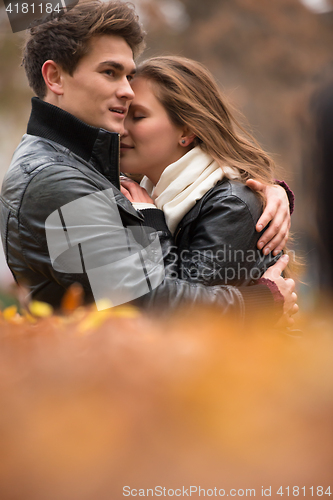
(116, 128)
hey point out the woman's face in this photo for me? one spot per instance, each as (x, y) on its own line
(151, 141)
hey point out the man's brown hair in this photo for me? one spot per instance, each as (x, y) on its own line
(65, 38)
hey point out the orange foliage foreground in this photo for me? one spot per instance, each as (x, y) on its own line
(95, 401)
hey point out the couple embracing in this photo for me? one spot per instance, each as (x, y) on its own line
(67, 215)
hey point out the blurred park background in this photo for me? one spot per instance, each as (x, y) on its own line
(270, 58)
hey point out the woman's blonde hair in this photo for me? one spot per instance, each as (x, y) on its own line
(192, 98)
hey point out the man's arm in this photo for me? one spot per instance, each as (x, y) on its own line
(58, 187)
(243, 300)
(255, 297)
(279, 206)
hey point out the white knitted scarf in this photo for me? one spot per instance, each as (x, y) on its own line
(184, 182)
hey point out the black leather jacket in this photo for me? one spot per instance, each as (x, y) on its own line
(217, 239)
(62, 159)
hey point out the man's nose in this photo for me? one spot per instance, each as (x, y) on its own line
(125, 90)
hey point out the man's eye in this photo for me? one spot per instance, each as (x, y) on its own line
(130, 77)
(109, 72)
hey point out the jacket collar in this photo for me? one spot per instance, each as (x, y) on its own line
(95, 145)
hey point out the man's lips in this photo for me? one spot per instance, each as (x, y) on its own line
(120, 110)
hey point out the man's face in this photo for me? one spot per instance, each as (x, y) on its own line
(99, 92)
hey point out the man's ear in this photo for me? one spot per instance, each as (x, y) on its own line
(52, 74)
(187, 138)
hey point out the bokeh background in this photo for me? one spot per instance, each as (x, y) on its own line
(270, 57)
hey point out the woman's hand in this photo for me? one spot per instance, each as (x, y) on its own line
(286, 288)
(133, 192)
(277, 211)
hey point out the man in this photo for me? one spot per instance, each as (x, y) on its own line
(63, 218)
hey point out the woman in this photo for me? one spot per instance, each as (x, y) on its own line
(182, 136)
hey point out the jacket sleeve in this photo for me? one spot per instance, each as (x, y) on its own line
(290, 194)
(221, 241)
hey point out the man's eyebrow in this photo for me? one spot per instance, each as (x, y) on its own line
(116, 65)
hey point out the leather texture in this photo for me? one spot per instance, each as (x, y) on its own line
(217, 238)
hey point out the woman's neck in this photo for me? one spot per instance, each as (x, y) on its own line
(155, 175)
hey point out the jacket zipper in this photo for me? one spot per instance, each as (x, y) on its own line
(119, 159)
(177, 234)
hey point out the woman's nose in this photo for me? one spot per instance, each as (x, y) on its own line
(125, 133)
